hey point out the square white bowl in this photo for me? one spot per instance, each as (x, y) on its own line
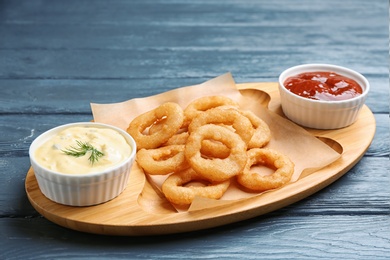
(321, 114)
(83, 189)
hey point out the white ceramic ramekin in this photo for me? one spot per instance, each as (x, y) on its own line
(322, 114)
(82, 189)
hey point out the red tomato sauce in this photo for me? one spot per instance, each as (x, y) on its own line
(320, 85)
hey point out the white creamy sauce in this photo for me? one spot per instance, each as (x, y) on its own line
(112, 144)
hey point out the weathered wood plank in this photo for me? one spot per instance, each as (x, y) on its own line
(74, 96)
(268, 237)
(369, 178)
(259, 35)
(193, 38)
(18, 131)
(184, 12)
(154, 64)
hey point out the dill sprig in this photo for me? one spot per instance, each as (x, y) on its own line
(82, 149)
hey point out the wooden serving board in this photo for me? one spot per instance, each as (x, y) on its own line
(141, 210)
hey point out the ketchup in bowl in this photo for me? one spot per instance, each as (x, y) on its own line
(327, 86)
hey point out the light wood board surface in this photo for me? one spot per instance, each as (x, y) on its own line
(140, 210)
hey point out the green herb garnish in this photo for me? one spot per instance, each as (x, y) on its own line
(82, 149)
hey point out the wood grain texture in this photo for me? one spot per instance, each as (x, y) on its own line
(140, 211)
(58, 56)
(52, 96)
(266, 237)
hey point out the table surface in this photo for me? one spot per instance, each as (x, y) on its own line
(56, 57)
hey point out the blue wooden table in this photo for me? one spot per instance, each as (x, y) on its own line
(56, 57)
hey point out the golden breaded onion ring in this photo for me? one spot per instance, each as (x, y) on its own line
(216, 169)
(173, 117)
(176, 192)
(202, 104)
(162, 160)
(262, 134)
(225, 116)
(284, 169)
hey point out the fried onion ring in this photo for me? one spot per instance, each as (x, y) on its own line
(172, 115)
(284, 168)
(216, 169)
(180, 138)
(262, 133)
(176, 192)
(163, 160)
(214, 149)
(157, 126)
(225, 116)
(202, 104)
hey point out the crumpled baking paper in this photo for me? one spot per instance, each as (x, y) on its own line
(306, 151)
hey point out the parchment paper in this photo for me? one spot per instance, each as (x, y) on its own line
(307, 152)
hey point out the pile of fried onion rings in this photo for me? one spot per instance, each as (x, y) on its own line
(210, 142)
